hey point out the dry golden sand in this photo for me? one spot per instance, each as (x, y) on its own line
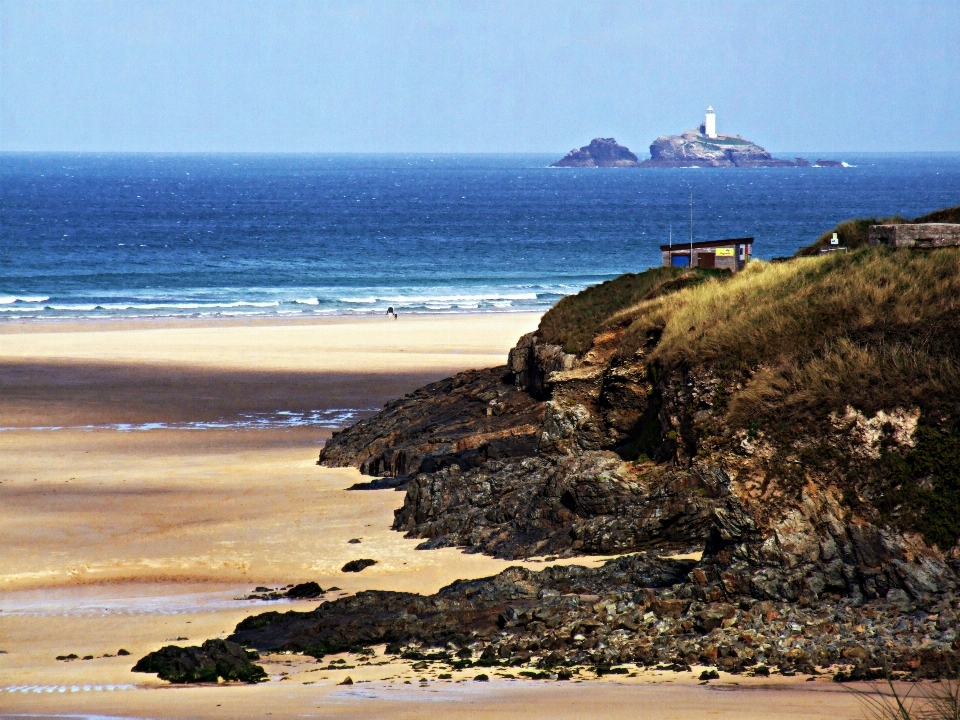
(133, 539)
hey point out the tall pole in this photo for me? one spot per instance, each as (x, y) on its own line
(691, 229)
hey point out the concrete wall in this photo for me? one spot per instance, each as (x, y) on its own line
(921, 235)
(727, 263)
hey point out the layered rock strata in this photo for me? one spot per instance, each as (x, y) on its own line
(463, 421)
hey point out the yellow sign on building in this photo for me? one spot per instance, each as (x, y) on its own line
(725, 252)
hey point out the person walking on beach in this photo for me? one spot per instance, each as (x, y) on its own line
(391, 312)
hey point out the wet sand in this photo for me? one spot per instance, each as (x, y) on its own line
(134, 539)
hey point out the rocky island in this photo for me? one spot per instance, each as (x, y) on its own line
(774, 463)
(703, 147)
(601, 152)
(693, 149)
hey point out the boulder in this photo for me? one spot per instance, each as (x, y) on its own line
(358, 565)
(206, 663)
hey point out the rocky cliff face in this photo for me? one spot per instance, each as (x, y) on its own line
(698, 418)
(691, 149)
(613, 451)
(601, 152)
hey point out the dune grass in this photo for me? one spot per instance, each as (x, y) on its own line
(926, 701)
(875, 327)
(947, 215)
(854, 234)
(574, 320)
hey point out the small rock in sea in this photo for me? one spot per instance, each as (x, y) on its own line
(71, 656)
(87, 657)
(482, 678)
(564, 674)
(354, 541)
(333, 589)
(347, 681)
(261, 588)
(305, 590)
(358, 565)
(121, 651)
(444, 676)
(711, 675)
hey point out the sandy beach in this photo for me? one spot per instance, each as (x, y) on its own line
(123, 538)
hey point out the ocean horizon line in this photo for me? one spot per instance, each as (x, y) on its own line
(432, 153)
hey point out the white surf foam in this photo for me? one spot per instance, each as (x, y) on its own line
(11, 299)
(332, 418)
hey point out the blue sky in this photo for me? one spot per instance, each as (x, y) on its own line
(475, 76)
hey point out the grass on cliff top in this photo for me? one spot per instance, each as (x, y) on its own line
(854, 234)
(947, 215)
(574, 320)
(877, 328)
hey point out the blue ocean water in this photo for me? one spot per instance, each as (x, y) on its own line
(160, 235)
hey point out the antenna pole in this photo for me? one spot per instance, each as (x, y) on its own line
(691, 229)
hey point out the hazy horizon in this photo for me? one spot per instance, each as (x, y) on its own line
(465, 78)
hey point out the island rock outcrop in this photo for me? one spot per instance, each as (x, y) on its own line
(601, 152)
(693, 149)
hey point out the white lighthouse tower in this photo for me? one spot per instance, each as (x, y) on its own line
(710, 124)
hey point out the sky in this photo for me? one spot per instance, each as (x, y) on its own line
(471, 76)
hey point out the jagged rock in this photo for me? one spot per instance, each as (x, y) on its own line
(442, 424)
(456, 612)
(805, 560)
(204, 664)
(631, 609)
(567, 489)
(530, 362)
(601, 152)
(595, 503)
(692, 149)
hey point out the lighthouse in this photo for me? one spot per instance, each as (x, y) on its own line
(710, 124)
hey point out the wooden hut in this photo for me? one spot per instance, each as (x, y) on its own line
(732, 254)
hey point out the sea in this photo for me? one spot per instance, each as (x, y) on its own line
(139, 235)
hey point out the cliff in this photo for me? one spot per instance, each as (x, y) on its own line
(691, 149)
(793, 430)
(601, 152)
